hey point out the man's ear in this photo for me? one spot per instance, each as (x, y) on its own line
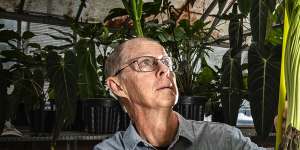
(114, 85)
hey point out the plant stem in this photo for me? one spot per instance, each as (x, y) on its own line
(292, 73)
(282, 88)
(137, 17)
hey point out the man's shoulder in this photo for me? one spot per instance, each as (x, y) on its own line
(213, 129)
(206, 125)
(115, 142)
(223, 135)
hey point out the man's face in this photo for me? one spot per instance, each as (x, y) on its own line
(155, 89)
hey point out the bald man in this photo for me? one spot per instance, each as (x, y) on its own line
(140, 73)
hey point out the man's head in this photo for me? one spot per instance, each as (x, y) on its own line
(139, 73)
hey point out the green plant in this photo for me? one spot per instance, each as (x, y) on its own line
(291, 64)
(87, 40)
(185, 44)
(282, 87)
(63, 75)
(23, 71)
(264, 64)
(231, 74)
(84, 45)
(189, 41)
(134, 9)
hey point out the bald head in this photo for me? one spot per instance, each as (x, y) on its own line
(121, 54)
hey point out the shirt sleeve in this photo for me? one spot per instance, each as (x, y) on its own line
(240, 142)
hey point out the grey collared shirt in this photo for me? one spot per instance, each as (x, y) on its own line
(191, 135)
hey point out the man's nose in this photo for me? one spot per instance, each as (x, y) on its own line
(163, 69)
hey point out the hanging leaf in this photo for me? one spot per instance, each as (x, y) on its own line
(116, 12)
(263, 68)
(263, 81)
(63, 78)
(17, 56)
(34, 45)
(260, 13)
(7, 35)
(127, 6)
(152, 8)
(199, 25)
(206, 75)
(67, 34)
(27, 35)
(235, 30)
(244, 6)
(60, 38)
(5, 81)
(232, 83)
(62, 47)
(88, 78)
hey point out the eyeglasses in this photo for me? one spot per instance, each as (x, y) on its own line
(149, 63)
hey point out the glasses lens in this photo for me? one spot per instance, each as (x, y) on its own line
(170, 62)
(174, 64)
(146, 63)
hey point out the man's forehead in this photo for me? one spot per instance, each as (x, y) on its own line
(137, 48)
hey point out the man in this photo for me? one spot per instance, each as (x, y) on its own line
(139, 72)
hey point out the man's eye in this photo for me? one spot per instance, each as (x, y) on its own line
(146, 62)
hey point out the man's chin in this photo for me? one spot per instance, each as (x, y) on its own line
(169, 99)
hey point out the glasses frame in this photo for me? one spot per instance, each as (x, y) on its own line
(134, 60)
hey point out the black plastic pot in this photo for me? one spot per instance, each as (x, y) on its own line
(21, 116)
(43, 120)
(191, 107)
(104, 116)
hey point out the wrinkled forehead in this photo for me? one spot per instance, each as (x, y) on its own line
(138, 48)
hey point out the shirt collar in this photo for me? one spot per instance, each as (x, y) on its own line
(131, 137)
(185, 130)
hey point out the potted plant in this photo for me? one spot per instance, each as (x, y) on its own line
(91, 44)
(185, 41)
(24, 71)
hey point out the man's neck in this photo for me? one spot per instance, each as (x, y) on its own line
(157, 127)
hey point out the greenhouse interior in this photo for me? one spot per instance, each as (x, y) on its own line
(149, 74)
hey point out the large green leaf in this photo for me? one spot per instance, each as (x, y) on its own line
(260, 13)
(63, 78)
(232, 78)
(232, 83)
(28, 90)
(7, 35)
(263, 81)
(88, 78)
(263, 68)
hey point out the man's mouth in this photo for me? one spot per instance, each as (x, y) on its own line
(162, 88)
(166, 87)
